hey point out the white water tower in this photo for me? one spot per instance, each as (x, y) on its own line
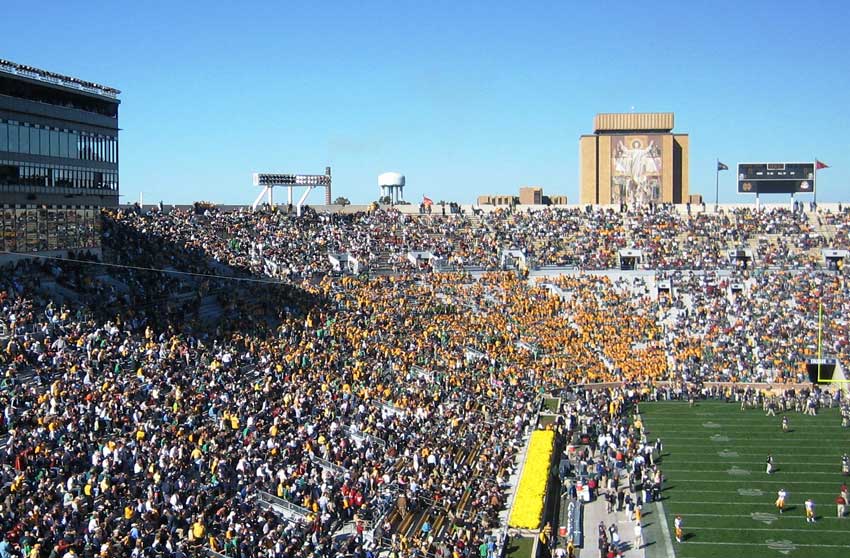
(392, 186)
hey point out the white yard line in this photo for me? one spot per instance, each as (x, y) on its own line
(727, 503)
(735, 461)
(758, 424)
(776, 471)
(735, 493)
(751, 481)
(764, 544)
(768, 529)
(731, 441)
(778, 517)
(775, 453)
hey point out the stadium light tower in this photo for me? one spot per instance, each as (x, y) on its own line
(309, 181)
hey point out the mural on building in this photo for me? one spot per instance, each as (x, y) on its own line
(636, 169)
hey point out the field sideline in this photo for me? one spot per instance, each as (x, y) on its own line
(714, 468)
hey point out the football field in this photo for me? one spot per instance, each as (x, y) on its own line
(714, 462)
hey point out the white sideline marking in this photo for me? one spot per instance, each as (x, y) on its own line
(665, 531)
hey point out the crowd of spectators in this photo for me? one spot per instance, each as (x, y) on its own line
(396, 402)
(609, 456)
(136, 441)
(585, 238)
(754, 326)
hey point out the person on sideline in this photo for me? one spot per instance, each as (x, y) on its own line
(638, 542)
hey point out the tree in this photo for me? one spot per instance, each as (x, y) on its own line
(385, 200)
(342, 201)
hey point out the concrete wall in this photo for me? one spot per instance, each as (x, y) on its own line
(667, 168)
(436, 209)
(587, 178)
(9, 258)
(681, 157)
(604, 165)
(24, 109)
(530, 195)
(633, 121)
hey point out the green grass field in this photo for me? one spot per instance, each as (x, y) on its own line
(520, 547)
(714, 466)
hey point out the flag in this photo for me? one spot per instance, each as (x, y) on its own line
(426, 201)
(820, 333)
(819, 165)
(721, 166)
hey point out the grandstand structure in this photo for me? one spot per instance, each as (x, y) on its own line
(320, 381)
(374, 376)
(665, 239)
(58, 159)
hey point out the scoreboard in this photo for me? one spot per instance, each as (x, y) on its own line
(776, 178)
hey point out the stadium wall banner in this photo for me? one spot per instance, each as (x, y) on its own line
(574, 522)
(636, 167)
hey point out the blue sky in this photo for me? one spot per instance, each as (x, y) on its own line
(464, 98)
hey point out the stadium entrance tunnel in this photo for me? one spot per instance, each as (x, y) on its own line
(629, 259)
(835, 260)
(825, 371)
(665, 287)
(741, 258)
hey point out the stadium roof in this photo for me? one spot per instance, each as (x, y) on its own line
(633, 122)
(53, 78)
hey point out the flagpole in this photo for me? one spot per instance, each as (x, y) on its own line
(815, 185)
(820, 330)
(717, 185)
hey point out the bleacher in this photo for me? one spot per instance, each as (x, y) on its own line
(430, 361)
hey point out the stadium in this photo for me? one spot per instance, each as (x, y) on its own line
(639, 378)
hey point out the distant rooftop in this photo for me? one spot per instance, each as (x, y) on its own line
(53, 78)
(633, 122)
